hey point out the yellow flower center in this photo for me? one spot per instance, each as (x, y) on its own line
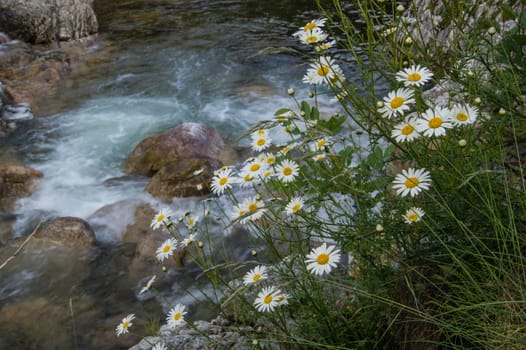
(177, 316)
(435, 122)
(248, 178)
(253, 207)
(287, 171)
(166, 248)
(414, 77)
(323, 259)
(411, 182)
(160, 217)
(320, 143)
(241, 212)
(295, 208)
(191, 221)
(280, 298)
(286, 149)
(309, 26)
(255, 167)
(271, 160)
(125, 325)
(412, 217)
(256, 277)
(223, 181)
(311, 39)
(462, 117)
(323, 70)
(261, 132)
(261, 142)
(407, 129)
(397, 102)
(268, 299)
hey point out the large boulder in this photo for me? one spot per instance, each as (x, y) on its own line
(181, 160)
(16, 181)
(185, 141)
(45, 21)
(67, 232)
(183, 178)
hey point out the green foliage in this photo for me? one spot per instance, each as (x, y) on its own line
(443, 267)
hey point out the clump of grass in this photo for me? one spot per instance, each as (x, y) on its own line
(395, 220)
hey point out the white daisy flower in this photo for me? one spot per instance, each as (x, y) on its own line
(287, 170)
(148, 285)
(324, 71)
(159, 346)
(259, 133)
(190, 221)
(414, 76)
(294, 205)
(260, 142)
(320, 144)
(268, 158)
(412, 182)
(434, 122)
(463, 114)
(175, 316)
(188, 240)
(397, 102)
(247, 179)
(255, 168)
(249, 209)
(222, 180)
(255, 275)
(282, 299)
(315, 23)
(413, 214)
(325, 46)
(323, 259)
(126, 323)
(319, 157)
(266, 299)
(405, 131)
(162, 217)
(313, 36)
(166, 249)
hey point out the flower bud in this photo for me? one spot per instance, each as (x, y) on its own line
(400, 8)
(462, 143)
(477, 101)
(502, 111)
(290, 91)
(408, 40)
(492, 30)
(379, 228)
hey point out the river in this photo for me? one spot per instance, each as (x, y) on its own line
(171, 62)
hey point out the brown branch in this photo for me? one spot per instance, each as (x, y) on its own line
(22, 245)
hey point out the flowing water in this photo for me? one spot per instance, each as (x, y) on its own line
(170, 61)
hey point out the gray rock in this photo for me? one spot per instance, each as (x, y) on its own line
(216, 334)
(45, 21)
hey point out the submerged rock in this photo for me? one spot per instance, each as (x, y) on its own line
(16, 181)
